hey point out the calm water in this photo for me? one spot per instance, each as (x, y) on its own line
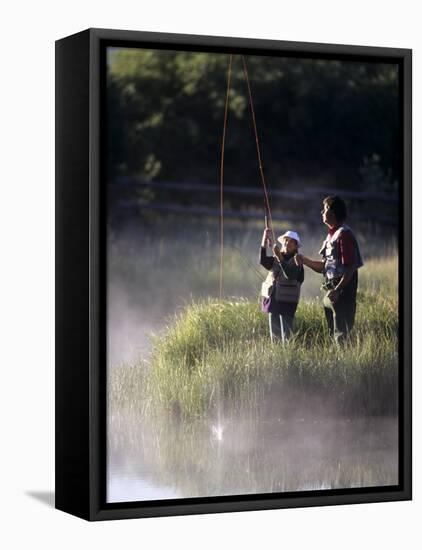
(167, 459)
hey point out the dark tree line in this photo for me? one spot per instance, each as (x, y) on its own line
(318, 120)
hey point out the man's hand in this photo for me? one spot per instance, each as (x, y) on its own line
(333, 295)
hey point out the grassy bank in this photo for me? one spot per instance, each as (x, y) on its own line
(218, 355)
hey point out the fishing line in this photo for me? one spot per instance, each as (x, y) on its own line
(268, 216)
(247, 261)
(223, 143)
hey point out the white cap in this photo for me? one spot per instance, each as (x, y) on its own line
(292, 235)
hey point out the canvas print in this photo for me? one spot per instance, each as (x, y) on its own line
(253, 255)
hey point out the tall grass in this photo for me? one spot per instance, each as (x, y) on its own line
(218, 354)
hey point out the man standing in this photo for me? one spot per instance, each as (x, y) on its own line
(340, 262)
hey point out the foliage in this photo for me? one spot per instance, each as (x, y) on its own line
(315, 117)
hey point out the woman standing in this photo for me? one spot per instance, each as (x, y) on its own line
(281, 289)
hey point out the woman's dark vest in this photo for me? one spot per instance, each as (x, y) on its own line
(285, 290)
(330, 251)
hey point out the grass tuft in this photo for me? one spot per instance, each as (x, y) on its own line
(218, 354)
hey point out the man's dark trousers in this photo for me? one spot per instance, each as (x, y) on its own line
(341, 315)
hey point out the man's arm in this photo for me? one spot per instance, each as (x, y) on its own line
(345, 280)
(315, 265)
(334, 294)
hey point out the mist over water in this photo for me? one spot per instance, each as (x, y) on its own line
(282, 445)
(130, 327)
(251, 456)
(152, 274)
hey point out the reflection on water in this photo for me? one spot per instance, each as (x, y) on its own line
(160, 460)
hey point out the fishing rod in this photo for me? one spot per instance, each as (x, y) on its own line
(267, 227)
(268, 217)
(267, 209)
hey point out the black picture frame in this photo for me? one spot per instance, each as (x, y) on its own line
(80, 277)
